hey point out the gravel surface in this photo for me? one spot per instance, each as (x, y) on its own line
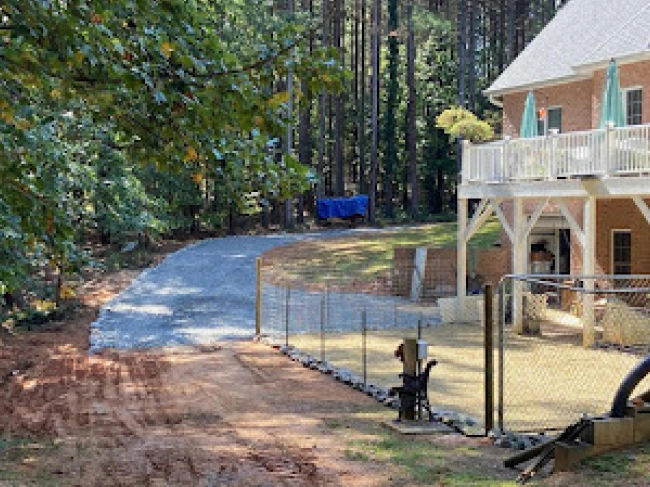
(199, 295)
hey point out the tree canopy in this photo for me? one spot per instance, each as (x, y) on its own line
(106, 105)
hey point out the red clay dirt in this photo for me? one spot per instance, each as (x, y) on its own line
(239, 414)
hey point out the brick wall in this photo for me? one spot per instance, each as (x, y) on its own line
(440, 273)
(493, 264)
(574, 98)
(631, 75)
(622, 215)
(580, 100)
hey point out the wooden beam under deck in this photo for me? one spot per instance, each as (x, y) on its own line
(611, 187)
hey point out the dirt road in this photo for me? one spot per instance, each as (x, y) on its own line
(238, 415)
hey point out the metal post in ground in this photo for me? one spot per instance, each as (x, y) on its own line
(322, 328)
(286, 316)
(489, 359)
(258, 302)
(419, 367)
(327, 307)
(501, 325)
(364, 349)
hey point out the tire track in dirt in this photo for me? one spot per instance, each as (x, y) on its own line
(185, 417)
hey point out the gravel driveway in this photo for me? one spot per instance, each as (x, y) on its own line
(198, 295)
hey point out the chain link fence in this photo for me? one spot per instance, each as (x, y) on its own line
(561, 353)
(355, 323)
(565, 350)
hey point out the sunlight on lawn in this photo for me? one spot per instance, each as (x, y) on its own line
(546, 384)
(367, 256)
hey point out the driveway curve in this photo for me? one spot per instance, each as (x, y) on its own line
(199, 295)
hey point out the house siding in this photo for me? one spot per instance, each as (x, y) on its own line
(580, 102)
(622, 215)
(574, 98)
(631, 75)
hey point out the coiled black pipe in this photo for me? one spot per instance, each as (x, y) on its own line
(624, 391)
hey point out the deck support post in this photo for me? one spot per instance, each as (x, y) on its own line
(519, 264)
(589, 269)
(461, 260)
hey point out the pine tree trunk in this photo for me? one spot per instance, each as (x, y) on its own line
(390, 132)
(323, 103)
(511, 18)
(411, 128)
(304, 132)
(462, 70)
(339, 105)
(374, 149)
(362, 108)
(288, 146)
(462, 52)
(471, 57)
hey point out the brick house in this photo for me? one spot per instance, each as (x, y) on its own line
(579, 192)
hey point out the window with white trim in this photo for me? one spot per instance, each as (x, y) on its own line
(633, 106)
(621, 252)
(552, 120)
(554, 116)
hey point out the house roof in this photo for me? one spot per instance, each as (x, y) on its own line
(583, 36)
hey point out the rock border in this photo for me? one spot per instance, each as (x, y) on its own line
(457, 421)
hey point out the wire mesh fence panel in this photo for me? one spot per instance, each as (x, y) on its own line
(305, 308)
(456, 383)
(343, 341)
(387, 327)
(357, 325)
(568, 342)
(273, 310)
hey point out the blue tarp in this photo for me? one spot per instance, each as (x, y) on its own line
(342, 207)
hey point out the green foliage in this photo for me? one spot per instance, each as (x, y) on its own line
(125, 117)
(461, 123)
(474, 130)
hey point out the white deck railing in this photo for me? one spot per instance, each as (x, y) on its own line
(600, 152)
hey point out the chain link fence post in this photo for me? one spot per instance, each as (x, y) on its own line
(500, 331)
(258, 302)
(322, 328)
(489, 359)
(364, 350)
(286, 315)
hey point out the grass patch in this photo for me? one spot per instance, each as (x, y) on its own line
(368, 255)
(631, 464)
(469, 479)
(423, 462)
(22, 460)
(610, 463)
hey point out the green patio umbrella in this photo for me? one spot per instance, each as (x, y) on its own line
(529, 118)
(611, 109)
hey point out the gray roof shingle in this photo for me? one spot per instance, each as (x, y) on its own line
(583, 33)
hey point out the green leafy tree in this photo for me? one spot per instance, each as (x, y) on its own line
(117, 115)
(461, 123)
